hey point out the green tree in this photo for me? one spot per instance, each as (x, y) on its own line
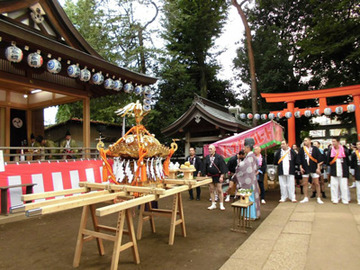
(189, 67)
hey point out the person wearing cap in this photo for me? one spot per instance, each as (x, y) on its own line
(68, 144)
(245, 177)
(44, 144)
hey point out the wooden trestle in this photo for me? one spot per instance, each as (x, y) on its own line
(122, 200)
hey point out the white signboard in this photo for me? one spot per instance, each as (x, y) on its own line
(2, 167)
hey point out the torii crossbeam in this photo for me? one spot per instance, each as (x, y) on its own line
(291, 97)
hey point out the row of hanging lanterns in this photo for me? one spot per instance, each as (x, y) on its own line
(307, 113)
(35, 60)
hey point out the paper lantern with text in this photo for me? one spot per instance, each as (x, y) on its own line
(307, 113)
(264, 116)
(351, 108)
(35, 60)
(117, 85)
(288, 115)
(108, 83)
(73, 71)
(339, 110)
(53, 66)
(242, 115)
(13, 54)
(327, 111)
(98, 78)
(257, 116)
(128, 88)
(297, 114)
(138, 90)
(271, 116)
(317, 112)
(250, 116)
(85, 75)
(279, 115)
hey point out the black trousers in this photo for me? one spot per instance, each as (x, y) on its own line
(198, 191)
(262, 189)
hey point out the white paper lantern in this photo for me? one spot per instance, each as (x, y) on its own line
(108, 84)
(148, 96)
(288, 115)
(35, 60)
(307, 113)
(351, 108)
(317, 112)
(117, 85)
(279, 115)
(147, 101)
(257, 116)
(128, 88)
(264, 116)
(297, 114)
(271, 116)
(147, 89)
(250, 116)
(146, 108)
(85, 75)
(14, 54)
(98, 78)
(327, 111)
(242, 115)
(53, 66)
(138, 90)
(73, 71)
(339, 110)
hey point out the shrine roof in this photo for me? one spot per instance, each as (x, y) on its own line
(213, 114)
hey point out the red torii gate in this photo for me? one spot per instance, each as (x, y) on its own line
(291, 97)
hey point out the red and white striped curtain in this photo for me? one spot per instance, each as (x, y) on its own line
(51, 176)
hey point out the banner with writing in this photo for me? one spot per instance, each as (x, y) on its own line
(266, 135)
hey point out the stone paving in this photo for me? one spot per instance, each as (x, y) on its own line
(303, 236)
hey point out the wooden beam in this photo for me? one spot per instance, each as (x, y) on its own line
(43, 195)
(56, 201)
(103, 211)
(78, 203)
(86, 126)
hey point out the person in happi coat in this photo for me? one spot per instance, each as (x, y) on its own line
(68, 146)
(355, 165)
(261, 172)
(245, 176)
(286, 159)
(338, 160)
(310, 165)
(215, 166)
(196, 161)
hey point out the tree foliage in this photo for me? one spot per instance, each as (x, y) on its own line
(115, 33)
(189, 66)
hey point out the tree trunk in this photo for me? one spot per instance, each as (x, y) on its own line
(254, 103)
(142, 54)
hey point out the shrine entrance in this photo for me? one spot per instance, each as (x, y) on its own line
(321, 95)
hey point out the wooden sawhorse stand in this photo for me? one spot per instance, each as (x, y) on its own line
(177, 209)
(87, 235)
(241, 213)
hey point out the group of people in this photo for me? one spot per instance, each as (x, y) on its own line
(312, 161)
(42, 148)
(245, 170)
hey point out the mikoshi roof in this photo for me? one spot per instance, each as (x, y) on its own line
(211, 112)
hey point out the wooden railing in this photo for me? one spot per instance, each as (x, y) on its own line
(34, 154)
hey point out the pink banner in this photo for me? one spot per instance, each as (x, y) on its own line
(49, 176)
(266, 135)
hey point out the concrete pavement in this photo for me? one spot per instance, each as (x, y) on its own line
(303, 236)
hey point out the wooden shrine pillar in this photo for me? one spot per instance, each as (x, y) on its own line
(357, 115)
(187, 143)
(291, 124)
(86, 126)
